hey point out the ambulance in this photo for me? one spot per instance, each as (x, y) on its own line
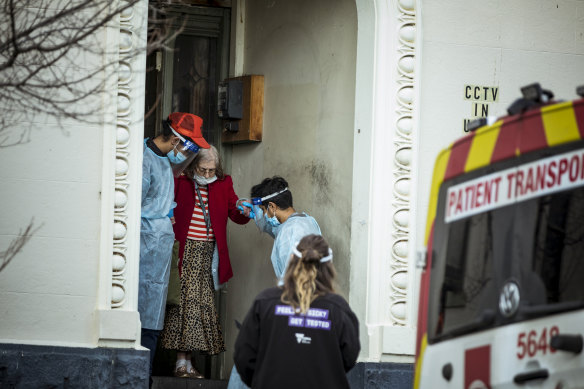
(502, 284)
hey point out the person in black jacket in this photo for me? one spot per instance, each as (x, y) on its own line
(301, 335)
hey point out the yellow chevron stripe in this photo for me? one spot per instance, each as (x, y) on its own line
(560, 123)
(482, 147)
(419, 362)
(437, 178)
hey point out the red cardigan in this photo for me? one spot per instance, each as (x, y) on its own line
(222, 200)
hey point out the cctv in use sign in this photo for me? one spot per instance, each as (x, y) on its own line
(481, 96)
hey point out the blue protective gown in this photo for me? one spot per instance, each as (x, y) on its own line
(286, 235)
(156, 238)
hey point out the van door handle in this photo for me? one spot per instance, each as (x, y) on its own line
(567, 342)
(531, 375)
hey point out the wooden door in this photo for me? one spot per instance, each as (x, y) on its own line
(185, 76)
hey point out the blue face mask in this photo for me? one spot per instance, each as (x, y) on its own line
(176, 159)
(273, 221)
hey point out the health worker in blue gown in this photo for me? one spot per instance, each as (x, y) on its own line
(276, 216)
(164, 156)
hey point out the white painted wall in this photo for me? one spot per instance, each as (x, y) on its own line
(491, 43)
(306, 51)
(57, 290)
(48, 292)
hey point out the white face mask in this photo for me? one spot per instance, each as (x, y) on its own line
(204, 180)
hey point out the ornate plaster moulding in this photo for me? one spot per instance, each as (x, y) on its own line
(400, 249)
(404, 126)
(118, 294)
(120, 230)
(120, 198)
(405, 70)
(403, 157)
(124, 73)
(126, 40)
(401, 219)
(405, 95)
(407, 34)
(127, 14)
(124, 103)
(122, 135)
(401, 188)
(406, 65)
(122, 166)
(398, 311)
(118, 262)
(407, 6)
(399, 280)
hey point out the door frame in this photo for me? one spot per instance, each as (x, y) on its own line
(212, 22)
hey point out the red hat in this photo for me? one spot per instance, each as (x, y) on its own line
(189, 125)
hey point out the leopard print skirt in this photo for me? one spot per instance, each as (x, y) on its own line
(194, 323)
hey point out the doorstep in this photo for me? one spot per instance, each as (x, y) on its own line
(186, 383)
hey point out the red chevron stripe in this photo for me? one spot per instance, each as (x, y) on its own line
(579, 113)
(458, 156)
(533, 133)
(507, 140)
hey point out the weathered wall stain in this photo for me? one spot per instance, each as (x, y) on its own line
(319, 178)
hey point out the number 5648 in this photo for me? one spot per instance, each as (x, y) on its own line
(530, 343)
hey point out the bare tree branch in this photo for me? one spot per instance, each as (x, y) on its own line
(46, 66)
(53, 61)
(17, 244)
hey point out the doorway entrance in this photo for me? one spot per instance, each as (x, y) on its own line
(184, 78)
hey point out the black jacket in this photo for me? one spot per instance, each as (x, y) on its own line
(276, 349)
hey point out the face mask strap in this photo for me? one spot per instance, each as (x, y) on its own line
(295, 250)
(259, 200)
(328, 258)
(274, 211)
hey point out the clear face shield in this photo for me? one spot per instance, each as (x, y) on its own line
(260, 200)
(254, 204)
(182, 154)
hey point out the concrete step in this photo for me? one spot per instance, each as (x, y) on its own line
(187, 383)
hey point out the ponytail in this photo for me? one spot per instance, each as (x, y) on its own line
(310, 273)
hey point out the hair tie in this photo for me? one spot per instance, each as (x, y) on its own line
(329, 257)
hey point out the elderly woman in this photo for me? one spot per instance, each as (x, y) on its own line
(205, 199)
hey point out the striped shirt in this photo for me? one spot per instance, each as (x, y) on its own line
(197, 228)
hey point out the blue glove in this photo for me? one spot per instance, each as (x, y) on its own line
(248, 205)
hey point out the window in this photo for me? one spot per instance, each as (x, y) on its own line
(539, 244)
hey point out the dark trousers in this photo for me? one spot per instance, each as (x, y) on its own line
(149, 340)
